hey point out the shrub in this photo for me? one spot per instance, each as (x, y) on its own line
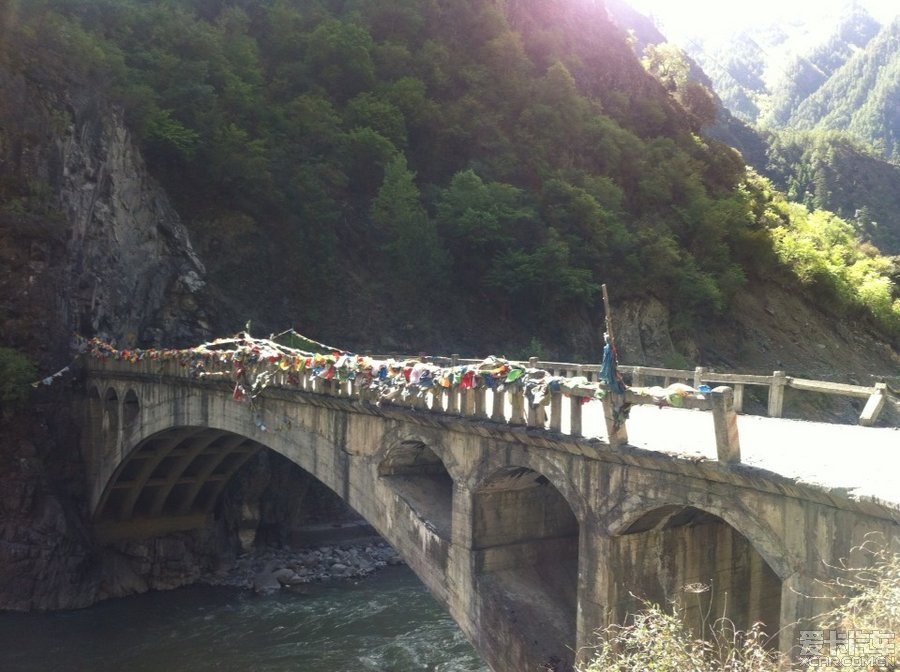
(822, 249)
(656, 641)
(16, 374)
(869, 602)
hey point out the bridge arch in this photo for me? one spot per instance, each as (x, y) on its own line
(710, 559)
(763, 538)
(551, 465)
(110, 417)
(526, 537)
(197, 410)
(162, 493)
(172, 479)
(418, 474)
(131, 410)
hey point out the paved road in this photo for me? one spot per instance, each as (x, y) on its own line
(863, 461)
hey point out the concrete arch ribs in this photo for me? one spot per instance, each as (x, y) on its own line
(205, 473)
(177, 470)
(151, 462)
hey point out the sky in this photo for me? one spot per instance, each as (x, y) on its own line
(710, 16)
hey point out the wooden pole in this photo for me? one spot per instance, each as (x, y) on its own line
(617, 433)
(608, 316)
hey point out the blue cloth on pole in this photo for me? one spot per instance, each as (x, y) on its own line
(609, 372)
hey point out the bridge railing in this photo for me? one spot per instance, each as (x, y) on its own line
(641, 376)
(514, 405)
(776, 383)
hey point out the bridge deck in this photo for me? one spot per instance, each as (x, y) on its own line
(864, 462)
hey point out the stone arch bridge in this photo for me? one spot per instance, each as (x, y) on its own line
(530, 537)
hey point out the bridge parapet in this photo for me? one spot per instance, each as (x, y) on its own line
(876, 395)
(523, 395)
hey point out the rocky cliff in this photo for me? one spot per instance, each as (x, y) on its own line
(89, 245)
(85, 223)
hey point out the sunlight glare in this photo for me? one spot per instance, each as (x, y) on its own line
(708, 17)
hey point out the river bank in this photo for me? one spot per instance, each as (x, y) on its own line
(268, 570)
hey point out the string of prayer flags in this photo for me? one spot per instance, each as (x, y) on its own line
(252, 365)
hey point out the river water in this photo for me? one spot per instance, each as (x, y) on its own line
(385, 623)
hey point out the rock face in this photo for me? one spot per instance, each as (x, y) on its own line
(643, 332)
(88, 244)
(116, 252)
(131, 265)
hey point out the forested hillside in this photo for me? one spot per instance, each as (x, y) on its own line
(809, 74)
(832, 171)
(821, 119)
(426, 172)
(848, 81)
(395, 175)
(862, 97)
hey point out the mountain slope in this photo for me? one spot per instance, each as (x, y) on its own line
(829, 169)
(809, 72)
(862, 97)
(426, 174)
(404, 175)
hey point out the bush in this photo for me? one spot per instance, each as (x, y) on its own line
(16, 375)
(657, 641)
(869, 599)
(823, 250)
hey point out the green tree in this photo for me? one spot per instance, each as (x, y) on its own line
(667, 62)
(339, 54)
(413, 250)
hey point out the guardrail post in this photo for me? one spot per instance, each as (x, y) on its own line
(421, 398)
(637, 377)
(776, 394)
(536, 417)
(739, 398)
(437, 399)
(498, 408)
(453, 391)
(728, 446)
(617, 435)
(517, 401)
(575, 416)
(556, 411)
(453, 400)
(479, 403)
(873, 406)
(467, 402)
(699, 372)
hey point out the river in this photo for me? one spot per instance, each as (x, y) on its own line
(385, 623)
